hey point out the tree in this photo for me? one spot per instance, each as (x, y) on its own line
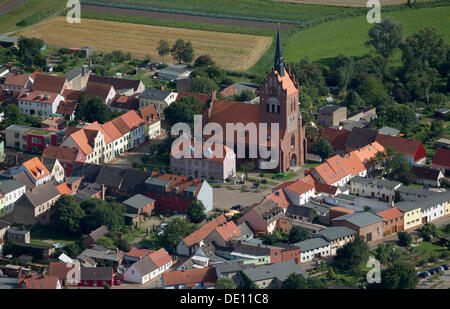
(196, 212)
(400, 275)
(123, 245)
(109, 214)
(323, 148)
(331, 274)
(66, 215)
(188, 53)
(246, 96)
(353, 102)
(204, 61)
(383, 253)
(176, 230)
(404, 238)
(182, 51)
(386, 36)
(13, 115)
(428, 231)
(163, 48)
(295, 281)
(424, 49)
(183, 111)
(225, 283)
(342, 71)
(106, 242)
(352, 254)
(420, 83)
(372, 90)
(297, 234)
(203, 85)
(92, 110)
(72, 250)
(270, 239)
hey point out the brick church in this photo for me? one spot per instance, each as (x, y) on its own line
(279, 103)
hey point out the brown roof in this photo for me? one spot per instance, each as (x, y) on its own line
(112, 130)
(149, 114)
(14, 79)
(207, 276)
(63, 154)
(121, 125)
(337, 138)
(204, 231)
(160, 257)
(71, 95)
(390, 213)
(423, 172)
(36, 282)
(40, 96)
(117, 83)
(401, 144)
(125, 102)
(49, 83)
(98, 90)
(442, 157)
(64, 189)
(98, 233)
(132, 120)
(302, 185)
(177, 184)
(60, 270)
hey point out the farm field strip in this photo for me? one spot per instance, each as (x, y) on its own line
(348, 3)
(230, 51)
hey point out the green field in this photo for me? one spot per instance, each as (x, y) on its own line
(29, 12)
(347, 36)
(247, 9)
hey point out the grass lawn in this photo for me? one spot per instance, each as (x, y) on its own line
(347, 36)
(428, 248)
(39, 243)
(8, 21)
(40, 232)
(132, 236)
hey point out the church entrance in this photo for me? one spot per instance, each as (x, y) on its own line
(293, 160)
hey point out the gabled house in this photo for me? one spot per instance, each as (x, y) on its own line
(50, 83)
(441, 160)
(149, 267)
(393, 220)
(301, 191)
(375, 188)
(435, 206)
(204, 278)
(55, 168)
(61, 270)
(159, 97)
(152, 121)
(427, 176)
(96, 276)
(196, 240)
(16, 82)
(123, 104)
(314, 248)
(11, 190)
(39, 103)
(123, 86)
(104, 91)
(35, 170)
(337, 236)
(65, 155)
(412, 215)
(412, 149)
(262, 218)
(136, 126)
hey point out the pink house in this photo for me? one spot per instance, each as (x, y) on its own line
(216, 162)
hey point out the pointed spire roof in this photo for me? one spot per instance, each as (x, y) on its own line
(279, 61)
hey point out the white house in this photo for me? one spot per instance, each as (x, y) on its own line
(159, 97)
(314, 248)
(149, 267)
(301, 191)
(12, 191)
(35, 170)
(375, 188)
(39, 102)
(433, 207)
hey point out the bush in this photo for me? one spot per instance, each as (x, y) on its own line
(444, 255)
(261, 175)
(432, 259)
(264, 181)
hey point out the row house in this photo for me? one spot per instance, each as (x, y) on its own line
(31, 139)
(174, 194)
(337, 236)
(393, 220)
(159, 97)
(39, 103)
(55, 168)
(411, 194)
(427, 176)
(152, 121)
(136, 127)
(128, 87)
(435, 206)
(50, 83)
(314, 248)
(10, 190)
(412, 214)
(216, 162)
(375, 188)
(301, 191)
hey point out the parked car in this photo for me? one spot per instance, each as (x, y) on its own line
(446, 266)
(57, 245)
(424, 274)
(439, 268)
(432, 271)
(117, 282)
(237, 207)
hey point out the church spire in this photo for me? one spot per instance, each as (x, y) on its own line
(279, 62)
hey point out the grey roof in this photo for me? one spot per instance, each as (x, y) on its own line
(321, 210)
(156, 94)
(433, 200)
(100, 254)
(241, 86)
(293, 210)
(9, 185)
(145, 265)
(4, 224)
(70, 180)
(231, 267)
(334, 232)
(74, 73)
(95, 235)
(176, 69)
(157, 182)
(16, 231)
(279, 270)
(360, 218)
(311, 244)
(96, 273)
(40, 195)
(245, 229)
(87, 192)
(415, 191)
(407, 206)
(388, 131)
(376, 182)
(23, 178)
(138, 201)
(328, 109)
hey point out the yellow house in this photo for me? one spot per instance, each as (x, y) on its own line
(412, 214)
(446, 208)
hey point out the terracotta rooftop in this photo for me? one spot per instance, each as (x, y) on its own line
(63, 154)
(36, 168)
(390, 214)
(405, 145)
(207, 276)
(13, 79)
(64, 189)
(149, 114)
(204, 231)
(49, 83)
(160, 257)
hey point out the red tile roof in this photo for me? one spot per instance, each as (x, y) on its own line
(366, 153)
(327, 173)
(64, 189)
(390, 214)
(228, 231)
(112, 130)
(149, 114)
(337, 138)
(207, 276)
(442, 158)
(71, 95)
(125, 102)
(321, 187)
(160, 257)
(36, 282)
(204, 231)
(302, 185)
(98, 90)
(405, 145)
(178, 183)
(132, 120)
(279, 197)
(138, 253)
(341, 209)
(63, 154)
(39, 96)
(36, 168)
(60, 270)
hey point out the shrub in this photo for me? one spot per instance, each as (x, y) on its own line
(432, 259)
(261, 175)
(264, 181)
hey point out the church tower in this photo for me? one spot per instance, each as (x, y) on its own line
(279, 103)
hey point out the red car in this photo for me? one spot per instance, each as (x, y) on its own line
(117, 282)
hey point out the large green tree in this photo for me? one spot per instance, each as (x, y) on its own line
(175, 231)
(298, 233)
(225, 283)
(323, 148)
(66, 215)
(196, 212)
(92, 110)
(295, 281)
(203, 85)
(183, 111)
(399, 275)
(163, 48)
(353, 254)
(386, 36)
